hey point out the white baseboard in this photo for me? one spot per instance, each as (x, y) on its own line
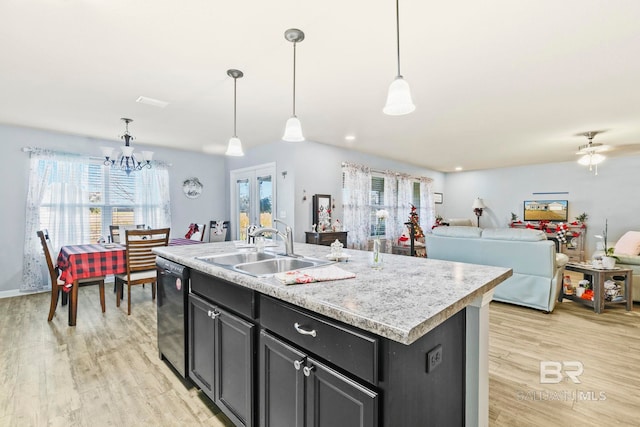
(18, 293)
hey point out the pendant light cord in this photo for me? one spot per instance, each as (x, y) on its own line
(398, 33)
(235, 80)
(294, 78)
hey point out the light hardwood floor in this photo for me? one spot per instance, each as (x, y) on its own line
(106, 370)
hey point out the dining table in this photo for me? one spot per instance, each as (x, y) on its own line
(94, 260)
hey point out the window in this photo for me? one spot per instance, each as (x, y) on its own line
(81, 199)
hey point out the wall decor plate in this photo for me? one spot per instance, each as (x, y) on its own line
(192, 188)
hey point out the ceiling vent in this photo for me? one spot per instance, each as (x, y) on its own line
(152, 102)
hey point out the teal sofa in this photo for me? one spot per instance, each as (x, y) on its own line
(537, 268)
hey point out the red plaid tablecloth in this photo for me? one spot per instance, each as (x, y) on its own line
(84, 261)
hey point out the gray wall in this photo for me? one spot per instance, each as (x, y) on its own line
(612, 194)
(210, 170)
(317, 169)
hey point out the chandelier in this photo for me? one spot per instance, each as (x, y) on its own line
(126, 160)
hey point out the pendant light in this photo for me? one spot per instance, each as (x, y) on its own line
(399, 96)
(293, 128)
(235, 145)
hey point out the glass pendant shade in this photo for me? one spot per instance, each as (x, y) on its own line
(293, 130)
(235, 147)
(127, 150)
(399, 100)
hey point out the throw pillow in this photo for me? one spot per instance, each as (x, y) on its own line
(629, 244)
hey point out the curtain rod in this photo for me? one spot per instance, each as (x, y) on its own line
(100, 159)
(348, 164)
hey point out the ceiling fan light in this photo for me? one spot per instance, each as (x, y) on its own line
(597, 159)
(399, 100)
(235, 147)
(584, 160)
(293, 130)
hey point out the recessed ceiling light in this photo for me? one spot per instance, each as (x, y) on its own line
(458, 168)
(152, 102)
(350, 137)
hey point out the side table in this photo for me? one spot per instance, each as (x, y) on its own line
(598, 277)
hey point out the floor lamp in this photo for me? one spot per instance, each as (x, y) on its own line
(478, 206)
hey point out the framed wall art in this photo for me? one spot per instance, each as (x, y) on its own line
(438, 198)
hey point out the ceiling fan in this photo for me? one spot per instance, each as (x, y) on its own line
(590, 152)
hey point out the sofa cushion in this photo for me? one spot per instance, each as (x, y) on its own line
(520, 234)
(458, 231)
(629, 244)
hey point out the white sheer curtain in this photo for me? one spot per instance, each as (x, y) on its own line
(152, 188)
(393, 228)
(55, 179)
(405, 198)
(356, 204)
(427, 205)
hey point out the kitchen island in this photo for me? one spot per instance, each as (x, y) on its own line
(418, 331)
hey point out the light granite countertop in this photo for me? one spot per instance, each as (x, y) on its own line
(403, 301)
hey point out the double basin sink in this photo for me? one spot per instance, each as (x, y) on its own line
(262, 264)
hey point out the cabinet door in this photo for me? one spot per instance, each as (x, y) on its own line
(234, 350)
(201, 344)
(334, 400)
(281, 383)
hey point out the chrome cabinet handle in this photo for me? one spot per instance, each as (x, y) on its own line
(302, 331)
(298, 364)
(213, 314)
(307, 370)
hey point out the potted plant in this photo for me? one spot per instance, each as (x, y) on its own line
(608, 260)
(583, 217)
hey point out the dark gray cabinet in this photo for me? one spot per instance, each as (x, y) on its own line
(298, 390)
(221, 360)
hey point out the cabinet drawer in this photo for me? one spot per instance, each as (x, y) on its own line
(227, 294)
(337, 343)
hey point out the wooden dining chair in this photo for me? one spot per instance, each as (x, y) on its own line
(196, 232)
(115, 231)
(56, 283)
(141, 261)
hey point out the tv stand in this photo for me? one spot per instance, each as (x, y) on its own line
(576, 232)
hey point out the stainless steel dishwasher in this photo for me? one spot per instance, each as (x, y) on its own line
(172, 292)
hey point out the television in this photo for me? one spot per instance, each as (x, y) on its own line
(546, 210)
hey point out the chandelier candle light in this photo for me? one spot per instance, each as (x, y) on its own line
(293, 128)
(376, 256)
(235, 145)
(126, 161)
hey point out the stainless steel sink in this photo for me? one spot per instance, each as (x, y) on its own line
(261, 264)
(277, 265)
(236, 258)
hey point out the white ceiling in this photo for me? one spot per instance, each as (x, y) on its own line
(495, 82)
